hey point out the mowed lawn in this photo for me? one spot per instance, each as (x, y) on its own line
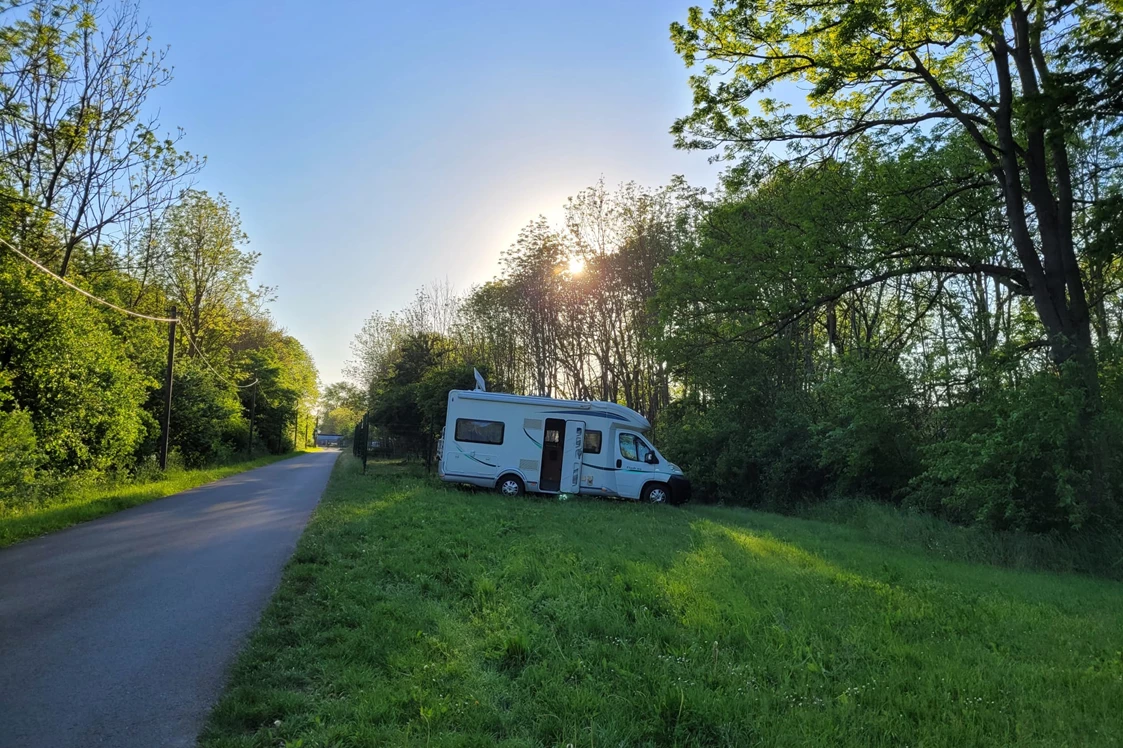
(421, 615)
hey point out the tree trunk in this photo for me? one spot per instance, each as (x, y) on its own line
(1055, 280)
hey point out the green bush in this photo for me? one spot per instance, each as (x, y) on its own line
(786, 456)
(19, 457)
(1019, 459)
(207, 423)
(756, 446)
(68, 371)
(867, 440)
(745, 451)
(688, 433)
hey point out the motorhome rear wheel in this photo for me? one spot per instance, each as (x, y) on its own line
(510, 485)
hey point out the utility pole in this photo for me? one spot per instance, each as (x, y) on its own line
(253, 409)
(296, 429)
(165, 434)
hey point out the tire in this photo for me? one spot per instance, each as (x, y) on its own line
(656, 493)
(510, 485)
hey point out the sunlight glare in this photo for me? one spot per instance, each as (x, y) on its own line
(576, 266)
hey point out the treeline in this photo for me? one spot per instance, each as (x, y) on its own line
(913, 290)
(91, 190)
(907, 290)
(569, 317)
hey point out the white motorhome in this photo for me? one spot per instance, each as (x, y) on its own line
(541, 445)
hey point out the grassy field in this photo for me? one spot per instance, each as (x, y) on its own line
(23, 522)
(419, 615)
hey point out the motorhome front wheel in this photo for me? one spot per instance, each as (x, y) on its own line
(656, 493)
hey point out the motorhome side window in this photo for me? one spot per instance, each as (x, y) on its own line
(592, 442)
(628, 447)
(479, 432)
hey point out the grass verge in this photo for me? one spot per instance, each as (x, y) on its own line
(1098, 551)
(416, 614)
(29, 521)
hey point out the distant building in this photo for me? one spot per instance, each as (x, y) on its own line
(329, 440)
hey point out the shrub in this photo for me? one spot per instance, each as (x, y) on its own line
(68, 371)
(1018, 459)
(781, 450)
(867, 440)
(206, 416)
(19, 457)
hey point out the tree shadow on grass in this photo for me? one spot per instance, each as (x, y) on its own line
(416, 614)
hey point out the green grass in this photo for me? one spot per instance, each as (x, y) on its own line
(413, 614)
(83, 504)
(1097, 551)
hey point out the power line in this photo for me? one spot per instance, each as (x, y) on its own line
(85, 293)
(164, 439)
(138, 315)
(165, 427)
(208, 363)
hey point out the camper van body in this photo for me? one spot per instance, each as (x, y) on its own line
(541, 445)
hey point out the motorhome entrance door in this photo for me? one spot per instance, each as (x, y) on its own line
(571, 456)
(553, 441)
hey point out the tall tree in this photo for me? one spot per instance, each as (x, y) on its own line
(287, 387)
(206, 269)
(372, 349)
(341, 406)
(998, 72)
(533, 268)
(78, 138)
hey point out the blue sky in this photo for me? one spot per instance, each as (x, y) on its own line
(375, 147)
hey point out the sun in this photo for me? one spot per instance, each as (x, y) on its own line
(576, 266)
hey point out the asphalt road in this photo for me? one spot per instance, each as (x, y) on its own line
(119, 631)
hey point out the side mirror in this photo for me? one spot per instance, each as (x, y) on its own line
(651, 459)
